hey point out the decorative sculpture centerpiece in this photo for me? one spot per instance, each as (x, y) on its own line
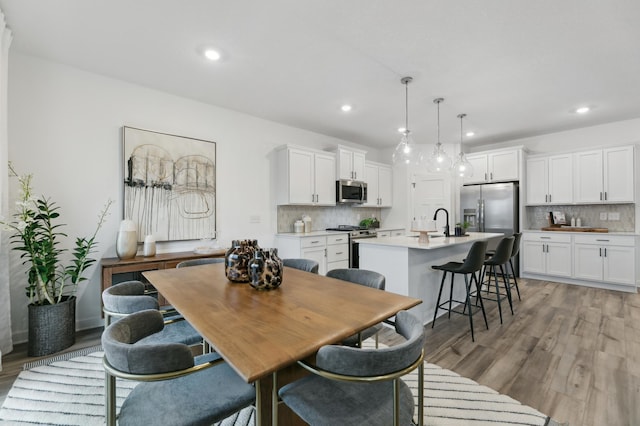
(236, 260)
(265, 269)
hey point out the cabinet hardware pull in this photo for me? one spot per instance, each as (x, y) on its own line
(485, 176)
(600, 251)
(549, 197)
(605, 252)
(546, 198)
(491, 175)
(315, 242)
(602, 240)
(601, 196)
(605, 195)
(545, 238)
(339, 252)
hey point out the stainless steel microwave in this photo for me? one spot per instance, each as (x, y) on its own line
(351, 191)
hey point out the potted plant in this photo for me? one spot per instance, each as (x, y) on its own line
(51, 283)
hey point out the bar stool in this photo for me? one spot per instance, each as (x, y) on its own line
(516, 249)
(500, 258)
(472, 264)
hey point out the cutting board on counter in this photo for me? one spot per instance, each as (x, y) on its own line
(574, 229)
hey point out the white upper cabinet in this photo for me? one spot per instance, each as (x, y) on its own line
(549, 180)
(350, 164)
(604, 175)
(379, 181)
(495, 166)
(305, 177)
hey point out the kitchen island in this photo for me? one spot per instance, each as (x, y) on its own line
(406, 264)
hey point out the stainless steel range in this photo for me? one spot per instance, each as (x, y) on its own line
(355, 233)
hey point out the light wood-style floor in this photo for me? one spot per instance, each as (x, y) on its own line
(571, 352)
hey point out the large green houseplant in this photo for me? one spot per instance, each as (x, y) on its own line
(52, 279)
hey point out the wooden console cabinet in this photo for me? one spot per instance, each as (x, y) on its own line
(112, 265)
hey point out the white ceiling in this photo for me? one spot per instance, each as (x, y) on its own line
(516, 67)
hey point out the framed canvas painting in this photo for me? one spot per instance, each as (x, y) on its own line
(169, 185)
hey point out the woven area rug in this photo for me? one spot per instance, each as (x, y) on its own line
(61, 391)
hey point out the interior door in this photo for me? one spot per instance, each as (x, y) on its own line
(431, 192)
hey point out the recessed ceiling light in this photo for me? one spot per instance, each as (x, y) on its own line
(346, 108)
(212, 54)
(469, 134)
(583, 110)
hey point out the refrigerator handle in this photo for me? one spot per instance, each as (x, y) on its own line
(480, 215)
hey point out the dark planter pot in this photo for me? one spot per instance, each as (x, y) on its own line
(52, 328)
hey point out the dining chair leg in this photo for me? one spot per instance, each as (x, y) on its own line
(274, 399)
(438, 301)
(258, 403)
(110, 399)
(421, 394)
(396, 402)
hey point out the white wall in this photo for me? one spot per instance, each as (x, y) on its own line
(65, 128)
(625, 132)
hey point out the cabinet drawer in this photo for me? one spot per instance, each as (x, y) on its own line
(337, 252)
(603, 240)
(313, 242)
(546, 237)
(338, 239)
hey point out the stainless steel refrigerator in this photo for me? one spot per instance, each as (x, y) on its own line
(491, 207)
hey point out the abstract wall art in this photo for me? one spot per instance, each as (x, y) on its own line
(169, 185)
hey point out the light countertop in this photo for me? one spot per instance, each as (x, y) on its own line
(629, 234)
(435, 241)
(308, 234)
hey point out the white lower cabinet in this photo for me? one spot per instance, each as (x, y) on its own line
(391, 233)
(605, 258)
(337, 251)
(590, 259)
(547, 254)
(304, 246)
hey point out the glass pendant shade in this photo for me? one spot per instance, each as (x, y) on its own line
(439, 161)
(406, 153)
(462, 167)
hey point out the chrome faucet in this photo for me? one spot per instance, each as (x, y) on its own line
(446, 227)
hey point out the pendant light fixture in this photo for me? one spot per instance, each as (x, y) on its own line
(405, 152)
(462, 167)
(439, 161)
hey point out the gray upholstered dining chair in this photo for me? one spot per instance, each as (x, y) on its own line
(367, 278)
(352, 386)
(202, 261)
(128, 297)
(308, 265)
(176, 389)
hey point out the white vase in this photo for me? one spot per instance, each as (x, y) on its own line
(149, 248)
(127, 241)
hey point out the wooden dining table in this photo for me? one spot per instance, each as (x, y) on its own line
(262, 334)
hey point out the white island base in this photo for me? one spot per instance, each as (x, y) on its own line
(406, 264)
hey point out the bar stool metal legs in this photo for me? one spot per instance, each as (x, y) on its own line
(472, 264)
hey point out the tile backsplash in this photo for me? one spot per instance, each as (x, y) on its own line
(588, 214)
(324, 217)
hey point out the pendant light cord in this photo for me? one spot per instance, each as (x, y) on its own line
(406, 107)
(461, 116)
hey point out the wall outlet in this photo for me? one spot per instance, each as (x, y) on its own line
(614, 216)
(603, 215)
